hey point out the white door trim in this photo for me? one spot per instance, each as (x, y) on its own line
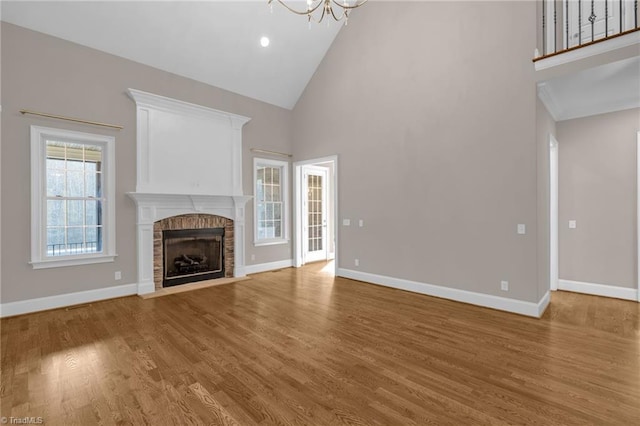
(297, 209)
(554, 261)
(638, 211)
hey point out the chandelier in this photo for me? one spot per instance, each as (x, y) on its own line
(327, 7)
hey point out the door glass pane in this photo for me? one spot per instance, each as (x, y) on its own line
(314, 217)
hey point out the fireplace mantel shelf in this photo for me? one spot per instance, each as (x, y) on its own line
(156, 206)
(157, 197)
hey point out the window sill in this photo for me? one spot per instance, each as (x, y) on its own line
(72, 261)
(270, 242)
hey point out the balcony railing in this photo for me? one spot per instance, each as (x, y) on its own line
(72, 248)
(571, 24)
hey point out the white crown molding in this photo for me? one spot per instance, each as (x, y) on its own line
(145, 99)
(548, 99)
(530, 309)
(601, 108)
(588, 51)
(595, 289)
(63, 300)
(562, 113)
(269, 266)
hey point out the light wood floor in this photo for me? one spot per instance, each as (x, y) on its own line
(300, 347)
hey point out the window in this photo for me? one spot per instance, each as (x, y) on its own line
(72, 203)
(270, 201)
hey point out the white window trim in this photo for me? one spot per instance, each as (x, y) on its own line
(284, 184)
(38, 208)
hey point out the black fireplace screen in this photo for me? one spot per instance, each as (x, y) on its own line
(192, 255)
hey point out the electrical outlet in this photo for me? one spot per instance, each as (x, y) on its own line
(356, 262)
(522, 229)
(118, 275)
(346, 222)
(504, 285)
(573, 224)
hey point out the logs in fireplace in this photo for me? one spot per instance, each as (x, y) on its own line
(192, 255)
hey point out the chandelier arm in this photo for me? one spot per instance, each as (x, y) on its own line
(313, 18)
(327, 9)
(344, 13)
(321, 16)
(354, 6)
(297, 12)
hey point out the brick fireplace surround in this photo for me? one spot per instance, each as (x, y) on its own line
(191, 221)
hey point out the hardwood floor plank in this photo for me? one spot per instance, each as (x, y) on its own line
(300, 347)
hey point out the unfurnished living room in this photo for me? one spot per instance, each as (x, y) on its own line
(319, 212)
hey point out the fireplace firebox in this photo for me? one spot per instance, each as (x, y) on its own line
(192, 255)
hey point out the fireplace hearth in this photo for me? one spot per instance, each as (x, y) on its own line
(191, 255)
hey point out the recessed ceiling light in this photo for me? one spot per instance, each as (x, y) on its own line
(264, 41)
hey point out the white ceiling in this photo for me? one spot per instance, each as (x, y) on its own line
(215, 42)
(606, 88)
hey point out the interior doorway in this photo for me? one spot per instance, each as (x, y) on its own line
(554, 261)
(315, 200)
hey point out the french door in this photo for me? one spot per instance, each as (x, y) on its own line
(314, 214)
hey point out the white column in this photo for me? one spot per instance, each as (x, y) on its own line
(145, 259)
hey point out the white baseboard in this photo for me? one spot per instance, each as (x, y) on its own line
(599, 289)
(146, 287)
(270, 266)
(543, 304)
(486, 300)
(59, 301)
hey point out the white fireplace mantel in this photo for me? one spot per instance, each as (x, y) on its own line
(184, 148)
(189, 160)
(152, 207)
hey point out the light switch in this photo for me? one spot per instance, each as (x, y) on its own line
(361, 223)
(346, 222)
(572, 224)
(522, 229)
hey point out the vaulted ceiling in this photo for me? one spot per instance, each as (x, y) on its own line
(215, 42)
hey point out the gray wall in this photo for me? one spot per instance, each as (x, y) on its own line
(47, 74)
(597, 188)
(434, 121)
